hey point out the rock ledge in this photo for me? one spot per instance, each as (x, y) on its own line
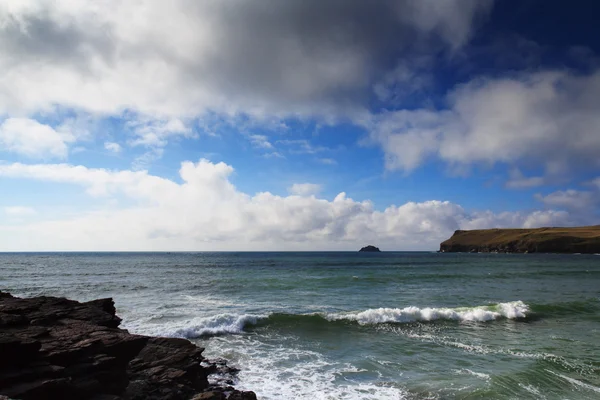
(55, 348)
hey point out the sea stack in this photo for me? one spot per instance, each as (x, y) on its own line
(370, 249)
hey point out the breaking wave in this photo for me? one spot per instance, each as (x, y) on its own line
(511, 310)
(221, 324)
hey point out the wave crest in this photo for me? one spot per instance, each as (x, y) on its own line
(216, 325)
(222, 324)
(511, 310)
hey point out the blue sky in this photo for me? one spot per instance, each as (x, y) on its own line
(299, 125)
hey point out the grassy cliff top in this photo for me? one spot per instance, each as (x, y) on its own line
(494, 238)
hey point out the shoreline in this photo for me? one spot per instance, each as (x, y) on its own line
(53, 347)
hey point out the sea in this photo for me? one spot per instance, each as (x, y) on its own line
(349, 325)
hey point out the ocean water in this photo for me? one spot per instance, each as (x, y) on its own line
(355, 325)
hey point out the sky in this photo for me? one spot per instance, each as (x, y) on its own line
(227, 125)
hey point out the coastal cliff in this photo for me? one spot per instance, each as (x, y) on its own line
(54, 348)
(584, 239)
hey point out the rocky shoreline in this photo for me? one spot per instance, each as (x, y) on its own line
(55, 348)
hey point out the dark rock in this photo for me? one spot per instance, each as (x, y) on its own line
(17, 351)
(239, 395)
(54, 348)
(212, 395)
(370, 249)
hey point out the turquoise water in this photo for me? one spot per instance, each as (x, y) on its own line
(353, 325)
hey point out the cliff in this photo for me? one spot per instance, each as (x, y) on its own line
(585, 239)
(54, 348)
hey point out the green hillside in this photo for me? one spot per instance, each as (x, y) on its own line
(585, 239)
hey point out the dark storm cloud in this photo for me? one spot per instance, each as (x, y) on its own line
(288, 57)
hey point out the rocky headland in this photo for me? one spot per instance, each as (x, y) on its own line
(370, 249)
(584, 239)
(55, 348)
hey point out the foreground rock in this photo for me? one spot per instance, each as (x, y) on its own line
(54, 348)
(370, 249)
(542, 240)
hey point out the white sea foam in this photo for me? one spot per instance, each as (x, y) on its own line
(289, 372)
(511, 310)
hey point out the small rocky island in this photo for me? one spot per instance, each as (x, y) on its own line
(54, 348)
(585, 239)
(370, 249)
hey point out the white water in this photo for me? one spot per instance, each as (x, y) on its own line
(511, 310)
(276, 372)
(227, 323)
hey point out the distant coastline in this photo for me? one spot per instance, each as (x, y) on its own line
(584, 239)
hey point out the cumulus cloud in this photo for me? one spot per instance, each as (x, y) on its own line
(32, 139)
(180, 58)
(550, 119)
(205, 211)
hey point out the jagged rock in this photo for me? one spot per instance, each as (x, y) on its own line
(212, 395)
(239, 395)
(55, 348)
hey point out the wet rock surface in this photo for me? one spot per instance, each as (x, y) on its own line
(55, 348)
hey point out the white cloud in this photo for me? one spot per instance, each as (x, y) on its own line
(113, 147)
(551, 218)
(145, 160)
(274, 154)
(305, 189)
(32, 139)
(569, 199)
(261, 142)
(519, 181)
(154, 133)
(207, 212)
(98, 182)
(548, 119)
(19, 211)
(277, 57)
